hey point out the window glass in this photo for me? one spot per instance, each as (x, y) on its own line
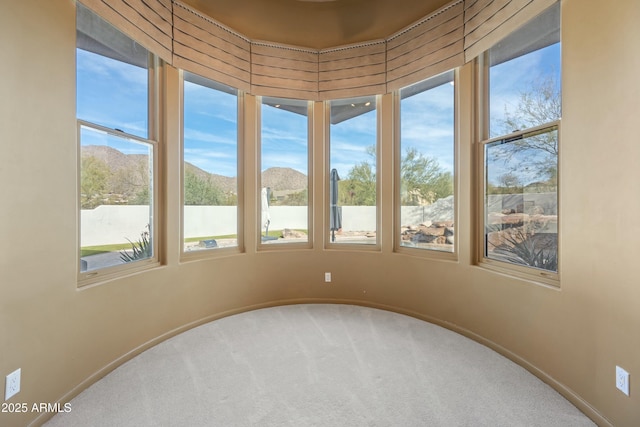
(524, 76)
(427, 138)
(521, 200)
(521, 156)
(116, 161)
(116, 188)
(112, 76)
(210, 149)
(284, 171)
(353, 171)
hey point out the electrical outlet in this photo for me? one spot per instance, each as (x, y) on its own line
(622, 380)
(327, 277)
(12, 384)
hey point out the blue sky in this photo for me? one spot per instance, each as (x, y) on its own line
(511, 78)
(427, 124)
(211, 129)
(112, 93)
(349, 141)
(284, 139)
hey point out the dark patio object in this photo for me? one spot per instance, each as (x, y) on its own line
(335, 212)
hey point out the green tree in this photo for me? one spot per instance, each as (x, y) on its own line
(359, 186)
(142, 197)
(201, 191)
(359, 189)
(94, 176)
(300, 198)
(230, 199)
(508, 183)
(131, 182)
(442, 185)
(423, 181)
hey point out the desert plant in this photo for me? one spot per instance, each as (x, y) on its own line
(140, 249)
(523, 246)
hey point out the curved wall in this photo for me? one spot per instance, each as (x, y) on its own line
(64, 338)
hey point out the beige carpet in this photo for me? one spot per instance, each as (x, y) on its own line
(320, 365)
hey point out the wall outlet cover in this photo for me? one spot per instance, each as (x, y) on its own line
(12, 386)
(622, 380)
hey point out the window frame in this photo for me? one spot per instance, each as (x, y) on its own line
(111, 272)
(397, 151)
(217, 251)
(328, 244)
(310, 126)
(531, 274)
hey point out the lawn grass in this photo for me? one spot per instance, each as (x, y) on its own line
(102, 249)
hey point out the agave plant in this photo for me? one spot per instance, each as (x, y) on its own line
(531, 250)
(523, 245)
(140, 249)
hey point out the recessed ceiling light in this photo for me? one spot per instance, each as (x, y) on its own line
(367, 104)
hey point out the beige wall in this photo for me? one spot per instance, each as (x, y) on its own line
(64, 337)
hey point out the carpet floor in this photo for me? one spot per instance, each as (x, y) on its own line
(319, 365)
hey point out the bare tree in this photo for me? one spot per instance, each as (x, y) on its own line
(536, 152)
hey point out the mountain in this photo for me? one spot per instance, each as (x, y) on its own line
(225, 183)
(115, 159)
(282, 179)
(128, 173)
(135, 167)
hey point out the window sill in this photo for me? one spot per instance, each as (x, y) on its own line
(109, 274)
(425, 253)
(532, 275)
(210, 253)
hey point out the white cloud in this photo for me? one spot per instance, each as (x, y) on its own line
(284, 140)
(207, 154)
(215, 138)
(218, 163)
(280, 137)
